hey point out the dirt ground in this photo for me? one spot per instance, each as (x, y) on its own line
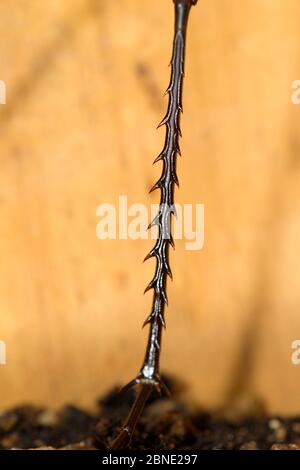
(166, 424)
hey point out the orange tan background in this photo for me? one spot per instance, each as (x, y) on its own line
(84, 93)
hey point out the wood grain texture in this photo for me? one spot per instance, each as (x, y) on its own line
(84, 92)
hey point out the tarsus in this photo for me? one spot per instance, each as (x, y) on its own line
(148, 378)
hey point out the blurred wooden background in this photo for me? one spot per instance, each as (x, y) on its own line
(84, 92)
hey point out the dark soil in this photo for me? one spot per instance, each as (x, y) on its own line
(166, 424)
